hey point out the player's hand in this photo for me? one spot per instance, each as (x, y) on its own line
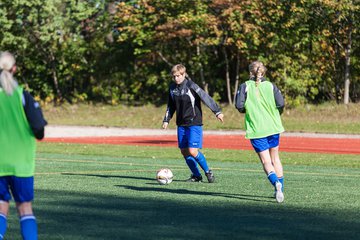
(220, 117)
(165, 125)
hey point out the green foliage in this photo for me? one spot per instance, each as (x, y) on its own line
(52, 40)
(117, 52)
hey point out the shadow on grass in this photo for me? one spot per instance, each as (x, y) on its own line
(73, 215)
(176, 191)
(200, 193)
(79, 211)
(153, 180)
(109, 176)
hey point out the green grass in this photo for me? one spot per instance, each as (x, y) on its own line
(110, 192)
(326, 118)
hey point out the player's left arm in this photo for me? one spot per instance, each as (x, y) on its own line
(208, 101)
(279, 99)
(34, 115)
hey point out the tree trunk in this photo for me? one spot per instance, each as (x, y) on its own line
(55, 78)
(202, 78)
(347, 70)
(227, 75)
(237, 74)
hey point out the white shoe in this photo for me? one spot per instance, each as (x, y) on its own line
(279, 195)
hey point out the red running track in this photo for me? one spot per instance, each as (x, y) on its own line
(287, 144)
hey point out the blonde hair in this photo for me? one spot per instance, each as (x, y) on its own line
(7, 81)
(178, 68)
(257, 70)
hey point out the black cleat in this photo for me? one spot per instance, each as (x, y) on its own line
(210, 176)
(194, 179)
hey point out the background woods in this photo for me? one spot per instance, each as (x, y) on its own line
(122, 51)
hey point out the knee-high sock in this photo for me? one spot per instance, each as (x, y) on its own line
(273, 178)
(28, 227)
(3, 225)
(281, 180)
(200, 158)
(191, 162)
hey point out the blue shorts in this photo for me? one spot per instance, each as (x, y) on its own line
(190, 136)
(262, 144)
(22, 188)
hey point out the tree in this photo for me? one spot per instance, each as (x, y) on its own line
(51, 39)
(334, 25)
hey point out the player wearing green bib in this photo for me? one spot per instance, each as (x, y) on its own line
(21, 122)
(16, 159)
(262, 103)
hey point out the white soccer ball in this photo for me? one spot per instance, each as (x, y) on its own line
(164, 176)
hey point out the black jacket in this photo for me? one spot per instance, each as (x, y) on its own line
(185, 99)
(34, 115)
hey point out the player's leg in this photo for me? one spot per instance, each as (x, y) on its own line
(200, 158)
(182, 133)
(192, 164)
(275, 158)
(271, 174)
(5, 197)
(23, 193)
(4, 208)
(269, 169)
(261, 146)
(195, 143)
(28, 223)
(274, 153)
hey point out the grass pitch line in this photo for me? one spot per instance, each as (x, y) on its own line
(97, 172)
(101, 162)
(324, 174)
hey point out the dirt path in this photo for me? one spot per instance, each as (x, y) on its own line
(290, 142)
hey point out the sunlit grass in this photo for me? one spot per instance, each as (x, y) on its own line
(326, 118)
(110, 192)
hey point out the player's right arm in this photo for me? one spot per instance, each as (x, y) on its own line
(170, 110)
(241, 98)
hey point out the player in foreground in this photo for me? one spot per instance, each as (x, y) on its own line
(262, 103)
(185, 98)
(21, 122)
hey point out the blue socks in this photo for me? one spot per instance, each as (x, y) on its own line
(3, 225)
(27, 224)
(191, 162)
(200, 158)
(273, 178)
(28, 227)
(281, 180)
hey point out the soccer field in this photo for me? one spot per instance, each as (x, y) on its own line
(85, 193)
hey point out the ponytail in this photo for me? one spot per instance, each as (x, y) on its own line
(7, 81)
(257, 70)
(258, 76)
